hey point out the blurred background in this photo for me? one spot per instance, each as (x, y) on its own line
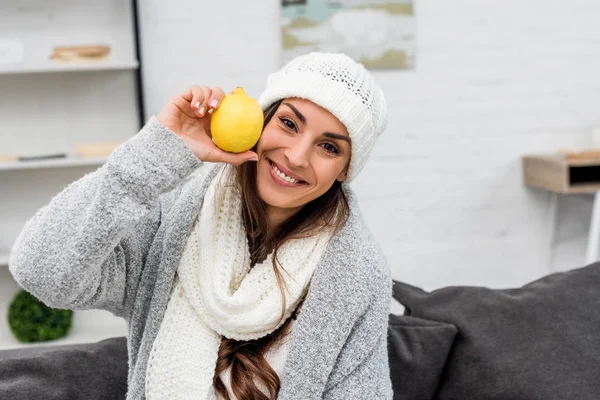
(472, 87)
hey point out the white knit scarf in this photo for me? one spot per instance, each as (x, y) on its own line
(216, 293)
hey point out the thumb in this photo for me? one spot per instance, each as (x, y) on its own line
(239, 158)
(249, 155)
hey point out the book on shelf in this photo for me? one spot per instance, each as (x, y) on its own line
(99, 149)
(39, 157)
(79, 54)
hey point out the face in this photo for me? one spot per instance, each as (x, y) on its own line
(302, 151)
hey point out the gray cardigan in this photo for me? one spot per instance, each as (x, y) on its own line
(112, 240)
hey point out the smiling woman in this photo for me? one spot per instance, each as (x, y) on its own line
(254, 279)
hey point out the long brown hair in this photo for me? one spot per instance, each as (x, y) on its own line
(246, 358)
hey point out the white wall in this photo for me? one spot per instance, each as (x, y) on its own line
(443, 193)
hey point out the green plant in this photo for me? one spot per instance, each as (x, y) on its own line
(30, 320)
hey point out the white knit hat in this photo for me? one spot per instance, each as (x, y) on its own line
(344, 88)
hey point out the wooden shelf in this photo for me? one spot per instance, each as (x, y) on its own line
(556, 173)
(57, 67)
(52, 163)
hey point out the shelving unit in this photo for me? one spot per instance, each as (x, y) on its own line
(49, 107)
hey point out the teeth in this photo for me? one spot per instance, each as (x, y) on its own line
(283, 176)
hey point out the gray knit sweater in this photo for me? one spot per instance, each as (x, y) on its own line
(112, 240)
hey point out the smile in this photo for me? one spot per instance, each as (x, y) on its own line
(283, 179)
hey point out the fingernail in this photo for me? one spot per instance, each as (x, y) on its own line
(197, 104)
(213, 103)
(201, 111)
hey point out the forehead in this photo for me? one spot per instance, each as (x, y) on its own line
(315, 114)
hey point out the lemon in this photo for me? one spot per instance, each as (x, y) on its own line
(237, 123)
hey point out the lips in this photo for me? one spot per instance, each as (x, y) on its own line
(286, 172)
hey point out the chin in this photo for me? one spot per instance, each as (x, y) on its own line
(274, 200)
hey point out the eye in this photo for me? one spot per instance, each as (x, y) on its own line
(288, 123)
(330, 148)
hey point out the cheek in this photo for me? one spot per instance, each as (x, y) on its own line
(326, 173)
(267, 140)
(332, 173)
(331, 168)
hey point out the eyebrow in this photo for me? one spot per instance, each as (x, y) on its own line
(337, 136)
(302, 118)
(298, 113)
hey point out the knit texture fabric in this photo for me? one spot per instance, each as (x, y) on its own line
(219, 294)
(344, 88)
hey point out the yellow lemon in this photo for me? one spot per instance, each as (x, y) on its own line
(237, 124)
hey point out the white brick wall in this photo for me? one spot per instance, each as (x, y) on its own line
(443, 193)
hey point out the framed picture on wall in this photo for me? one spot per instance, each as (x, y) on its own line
(379, 34)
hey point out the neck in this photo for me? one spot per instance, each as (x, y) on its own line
(277, 215)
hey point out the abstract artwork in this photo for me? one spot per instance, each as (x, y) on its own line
(379, 34)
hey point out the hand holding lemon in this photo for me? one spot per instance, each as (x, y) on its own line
(202, 114)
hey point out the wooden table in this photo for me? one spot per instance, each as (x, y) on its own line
(561, 175)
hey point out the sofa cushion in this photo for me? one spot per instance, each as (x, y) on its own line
(417, 350)
(78, 371)
(540, 341)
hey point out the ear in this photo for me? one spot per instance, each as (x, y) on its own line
(343, 175)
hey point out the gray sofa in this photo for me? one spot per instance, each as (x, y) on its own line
(537, 342)
(81, 371)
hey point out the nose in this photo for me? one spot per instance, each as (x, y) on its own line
(298, 153)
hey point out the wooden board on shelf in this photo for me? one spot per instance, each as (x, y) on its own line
(557, 173)
(97, 149)
(80, 53)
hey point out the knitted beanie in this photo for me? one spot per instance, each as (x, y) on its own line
(341, 86)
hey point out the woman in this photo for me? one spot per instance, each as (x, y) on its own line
(209, 266)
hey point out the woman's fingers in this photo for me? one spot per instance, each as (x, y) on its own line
(238, 159)
(204, 99)
(199, 101)
(218, 155)
(216, 96)
(193, 95)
